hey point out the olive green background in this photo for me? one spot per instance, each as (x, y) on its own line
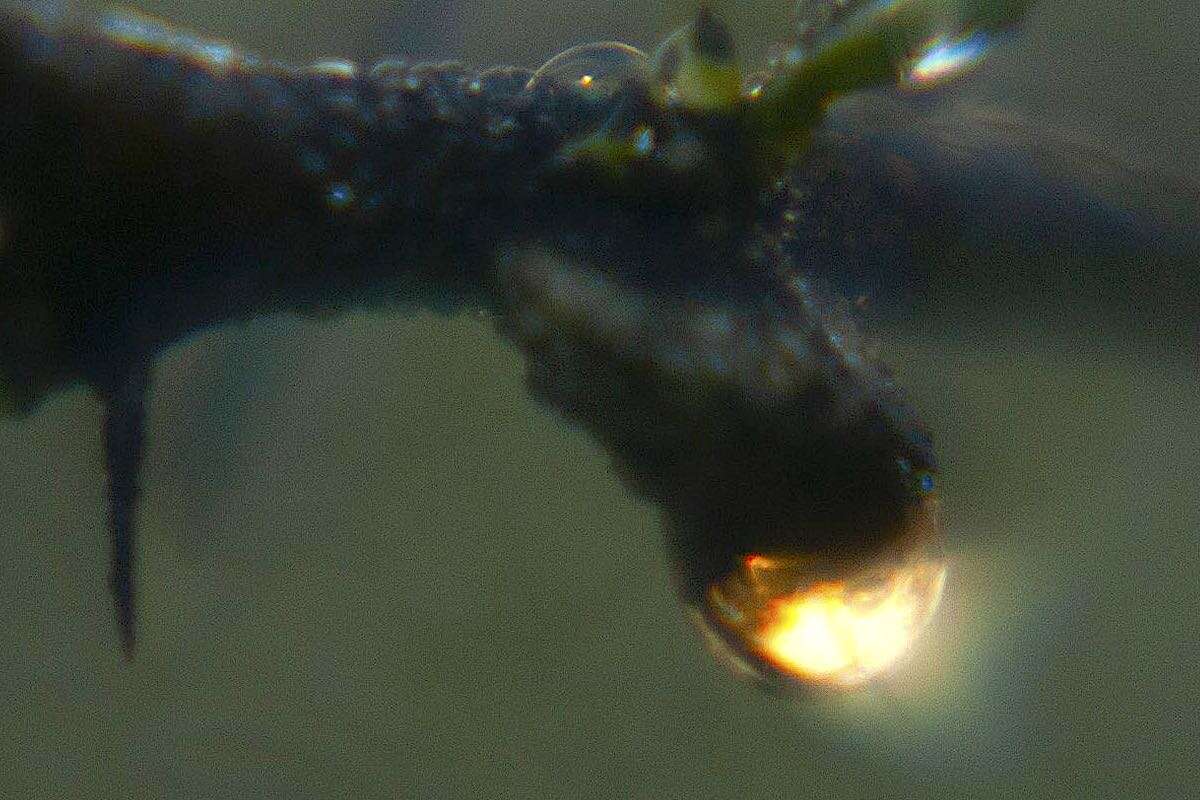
(372, 567)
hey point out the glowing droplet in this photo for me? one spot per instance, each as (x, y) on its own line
(589, 82)
(643, 140)
(600, 69)
(833, 632)
(340, 196)
(840, 632)
(837, 615)
(943, 59)
(213, 53)
(335, 68)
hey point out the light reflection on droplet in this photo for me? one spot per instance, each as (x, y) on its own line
(643, 140)
(602, 68)
(944, 59)
(217, 54)
(340, 196)
(839, 632)
(150, 35)
(335, 68)
(832, 632)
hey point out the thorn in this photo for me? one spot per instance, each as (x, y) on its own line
(712, 41)
(124, 434)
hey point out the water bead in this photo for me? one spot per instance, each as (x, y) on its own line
(643, 140)
(600, 70)
(836, 617)
(587, 84)
(788, 619)
(339, 196)
(335, 68)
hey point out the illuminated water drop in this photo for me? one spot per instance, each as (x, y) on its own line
(589, 82)
(836, 615)
(335, 68)
(839, 632)
(213, 53)
(599, 70)
(339, 196)
(643, 140)
(944, 59)
(834, 632)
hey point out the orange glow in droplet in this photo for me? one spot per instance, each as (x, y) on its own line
(586, 80)
(831, 632)
(832, 617)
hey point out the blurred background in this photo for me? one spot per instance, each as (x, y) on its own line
(372, 567)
